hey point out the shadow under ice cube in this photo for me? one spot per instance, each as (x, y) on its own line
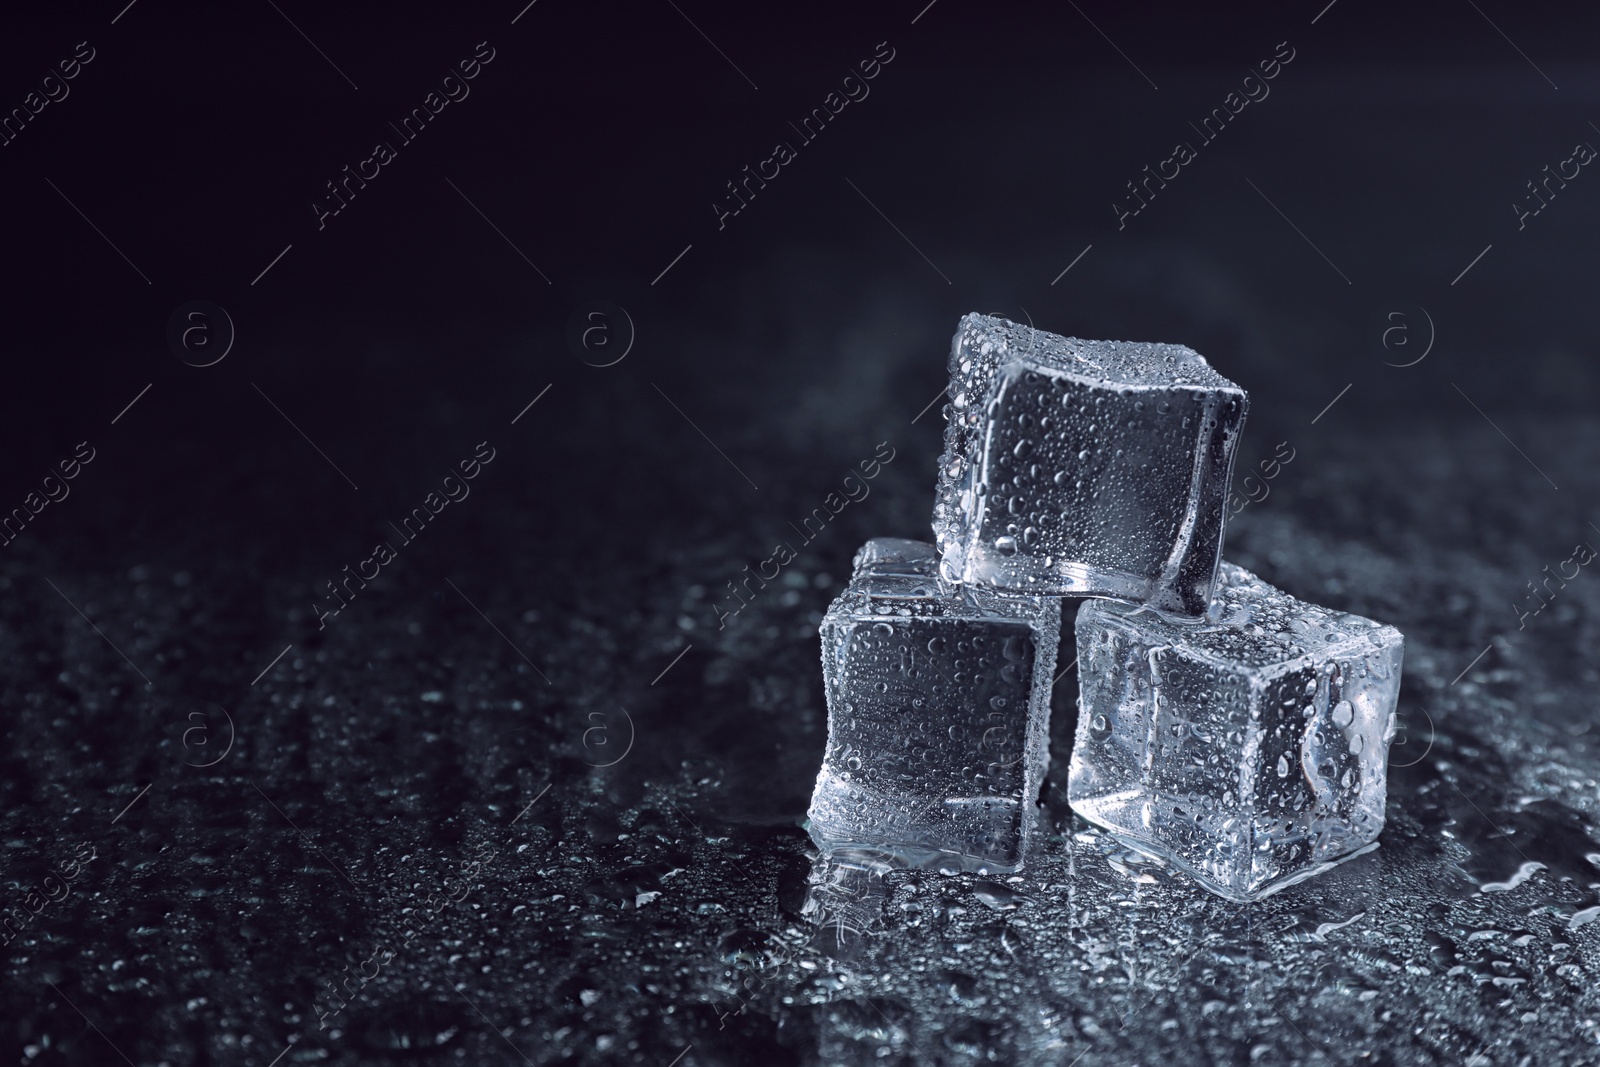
(1084, 468)
(938, 714)
(1249, 748)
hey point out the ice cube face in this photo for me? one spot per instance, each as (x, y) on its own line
(1249, 748)
(1084, 468)
(938, 714)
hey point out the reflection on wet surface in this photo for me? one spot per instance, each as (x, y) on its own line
(411, 856)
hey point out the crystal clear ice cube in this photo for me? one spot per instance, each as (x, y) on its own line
(1249, 748)
(1095, 468)
(938, 714)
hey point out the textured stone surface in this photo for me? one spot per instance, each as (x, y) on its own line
(634, 910)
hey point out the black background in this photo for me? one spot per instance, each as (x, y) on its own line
(776, 353)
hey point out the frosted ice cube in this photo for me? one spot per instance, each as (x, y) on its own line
(1249, 748)
(938, 714)
(1079, 468)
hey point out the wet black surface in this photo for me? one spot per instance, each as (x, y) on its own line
(523, 799)
(411, 822)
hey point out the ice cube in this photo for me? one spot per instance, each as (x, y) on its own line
(938, 714)
(1250, 747)
(1094, 468)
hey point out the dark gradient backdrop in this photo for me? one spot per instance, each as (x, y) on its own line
(270, 796)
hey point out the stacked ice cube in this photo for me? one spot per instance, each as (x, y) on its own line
(1248, 748)
(936, 741)
(1084, 468)
(1224, 726)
